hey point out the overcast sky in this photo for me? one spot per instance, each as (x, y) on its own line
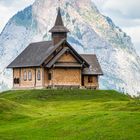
(124, 13)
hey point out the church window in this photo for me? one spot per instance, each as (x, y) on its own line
(38, 75)
(49, 76)
(29, 75)
(25, 75)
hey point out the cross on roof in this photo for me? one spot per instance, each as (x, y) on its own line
(59, 3)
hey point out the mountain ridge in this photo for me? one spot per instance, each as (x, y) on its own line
(91, 32)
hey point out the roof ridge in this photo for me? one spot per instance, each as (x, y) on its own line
(41, 41)
(87, 54)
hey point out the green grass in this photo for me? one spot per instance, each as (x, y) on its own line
(68, 115)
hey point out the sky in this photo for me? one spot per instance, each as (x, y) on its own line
(124, 13)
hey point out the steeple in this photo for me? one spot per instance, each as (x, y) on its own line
(59, 25)
(59, 31)
(59, 21)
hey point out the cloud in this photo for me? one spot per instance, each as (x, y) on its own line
(134, 32)
(123, 8)
(9, 3)
(5, 15)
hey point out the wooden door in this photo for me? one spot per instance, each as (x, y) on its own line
(83, 80)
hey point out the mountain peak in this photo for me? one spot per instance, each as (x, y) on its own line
(90, 32)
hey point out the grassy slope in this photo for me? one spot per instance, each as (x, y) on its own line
(68, 115)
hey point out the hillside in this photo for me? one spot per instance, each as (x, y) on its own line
(68, 115)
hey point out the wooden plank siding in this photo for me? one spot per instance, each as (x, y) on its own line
(66, 77)
(34, 82)
(67, 57)
(59, 76)
(93, 84)
(16, 74)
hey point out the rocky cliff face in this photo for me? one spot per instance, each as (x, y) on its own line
(91, 32)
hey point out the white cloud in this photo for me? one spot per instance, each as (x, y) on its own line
(124, 8)
(9, 3)
(134, 32)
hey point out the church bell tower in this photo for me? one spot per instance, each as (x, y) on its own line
(59, 31)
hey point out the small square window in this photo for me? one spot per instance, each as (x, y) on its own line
(16, 80)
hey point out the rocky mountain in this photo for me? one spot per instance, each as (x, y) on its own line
(91, 32)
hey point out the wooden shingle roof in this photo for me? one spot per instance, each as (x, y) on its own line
(67, 65)
(36, 53)
(95, 68)
(66, 49)
(33, 55)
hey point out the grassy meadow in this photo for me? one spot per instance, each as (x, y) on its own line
(68, 115)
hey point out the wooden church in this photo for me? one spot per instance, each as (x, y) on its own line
(55, 64)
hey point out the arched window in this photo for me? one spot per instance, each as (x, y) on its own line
(29, 75)
(25, 75)
(38, 74)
